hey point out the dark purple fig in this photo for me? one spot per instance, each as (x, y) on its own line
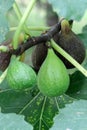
(70, 42)
(4, 57)
(4, 60)
(39, 55)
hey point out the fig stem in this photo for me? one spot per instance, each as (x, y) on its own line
(32, 28)
(2, 77)
(17, 10)
(4, 49)
(19, 15)
(68, 57)
(21, 24)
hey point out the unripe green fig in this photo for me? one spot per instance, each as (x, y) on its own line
(53, 79)
(20, 76)
(70, 42)
(39, 55)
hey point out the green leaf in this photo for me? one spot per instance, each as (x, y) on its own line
(78, 86)
(72, 117)
(41, 112)
(69, 9)
(4, 27)
(4, 85)
(13, 121)
(43, 109)
(11, 101)
(83, 35)
(5, 5)
(38, 110)
(78, 25)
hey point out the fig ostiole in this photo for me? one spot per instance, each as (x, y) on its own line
(53, 79)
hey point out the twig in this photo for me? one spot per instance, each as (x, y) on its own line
(37, 40)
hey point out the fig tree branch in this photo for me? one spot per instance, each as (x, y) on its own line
(37, 40)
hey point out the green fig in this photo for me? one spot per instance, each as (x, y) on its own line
(53, 79)
(70, 42)
(20, 76)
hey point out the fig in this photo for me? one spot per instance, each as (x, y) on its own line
(20, 75)
(4, 60)
(5, 57)
(53, 79)
(39, 55)
(70, 42)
